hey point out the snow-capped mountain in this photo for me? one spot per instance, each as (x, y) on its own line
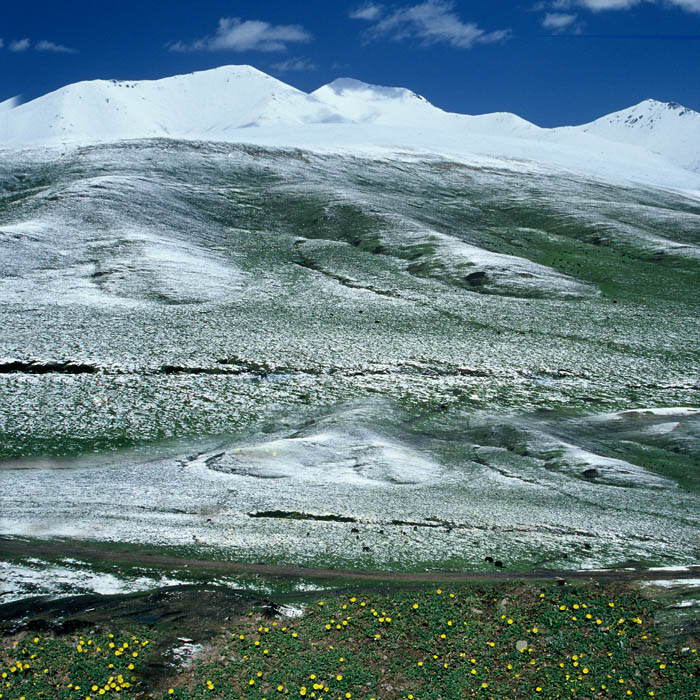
(666, 128)
(210, 102)
(654, 142)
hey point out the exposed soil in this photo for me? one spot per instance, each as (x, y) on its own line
(14, 547)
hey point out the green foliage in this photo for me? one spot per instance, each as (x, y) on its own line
(92, 665)
(496, 643)
(453, 644)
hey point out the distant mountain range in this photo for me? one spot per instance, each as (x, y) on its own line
(219, 104)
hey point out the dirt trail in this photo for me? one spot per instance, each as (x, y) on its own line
(14, 547)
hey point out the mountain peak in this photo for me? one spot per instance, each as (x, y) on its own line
(647, 112)
(377, 104)
(669, 106)
(351, 85)
(667, 128)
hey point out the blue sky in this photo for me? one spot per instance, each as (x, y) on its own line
(553, 62)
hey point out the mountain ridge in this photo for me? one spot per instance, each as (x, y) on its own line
(219, 104)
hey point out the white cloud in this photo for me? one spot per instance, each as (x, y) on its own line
(294, 64)
(598, 5)
(603, 5)
(233, 34)
(689, 5)
(370, 11)
(558, 21)
(433, 22)
(20, 45)
(53, 48)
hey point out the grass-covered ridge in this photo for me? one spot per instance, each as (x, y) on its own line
(500, 642)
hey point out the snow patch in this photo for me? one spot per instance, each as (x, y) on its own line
(293, 611)
(351, 456)
(20, 581)
(674, 583)
(673, 412)
(185, 655)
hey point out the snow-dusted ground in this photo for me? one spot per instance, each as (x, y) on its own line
(413, 505)
(406, 346)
